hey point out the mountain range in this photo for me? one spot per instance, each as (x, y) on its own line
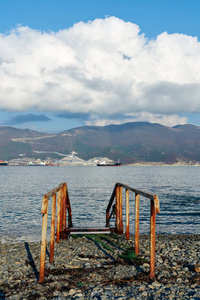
(130, 142)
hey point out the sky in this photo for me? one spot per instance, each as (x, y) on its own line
(65, 64)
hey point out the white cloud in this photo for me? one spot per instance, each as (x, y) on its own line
(166, 120)
(101, 67)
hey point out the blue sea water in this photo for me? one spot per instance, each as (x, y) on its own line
(90, 189)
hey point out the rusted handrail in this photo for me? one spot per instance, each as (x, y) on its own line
(63, 205)
(154, 209)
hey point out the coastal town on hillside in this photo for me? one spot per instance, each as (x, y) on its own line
(73, 160)
(68, 160)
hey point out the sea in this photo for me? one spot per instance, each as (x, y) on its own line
(90, 189)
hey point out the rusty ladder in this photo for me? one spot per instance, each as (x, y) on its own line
(60, 197)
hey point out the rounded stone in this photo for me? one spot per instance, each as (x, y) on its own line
(197, 268)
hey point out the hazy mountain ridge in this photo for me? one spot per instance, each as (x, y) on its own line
(130, 142)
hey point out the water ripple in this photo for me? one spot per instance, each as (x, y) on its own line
(90, 189)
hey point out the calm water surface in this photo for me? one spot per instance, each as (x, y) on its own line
(90, 189)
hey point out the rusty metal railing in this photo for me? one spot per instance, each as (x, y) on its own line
(63, 206)
(117, 210)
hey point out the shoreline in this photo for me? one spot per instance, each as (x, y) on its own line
(5, 239)
(159, 164)
(85, 269)
(151, 164)
(139, 164)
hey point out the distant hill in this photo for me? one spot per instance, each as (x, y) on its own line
(130, 142)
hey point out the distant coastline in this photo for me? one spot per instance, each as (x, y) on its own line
(160, 164)
(139, 164)
(73, 160)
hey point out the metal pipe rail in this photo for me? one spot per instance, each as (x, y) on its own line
(154, 209)
(63, 205)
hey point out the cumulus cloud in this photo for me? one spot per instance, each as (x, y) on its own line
(102, 67)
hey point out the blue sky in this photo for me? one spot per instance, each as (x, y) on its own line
(65, 63)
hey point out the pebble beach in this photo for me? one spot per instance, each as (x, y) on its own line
(86, 268)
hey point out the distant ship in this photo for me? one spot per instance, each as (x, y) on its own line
(104, 164)
(3, 163)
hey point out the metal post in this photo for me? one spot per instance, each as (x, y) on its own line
(137, 202)
(61, 211)
(153, 239)
(127, 214)
(53, 218)
(68, 205)
(43, 241)
(58, 216)
(64, 206)
(117, 209)
(120, 211)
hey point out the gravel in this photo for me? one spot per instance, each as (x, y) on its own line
(86, 269)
